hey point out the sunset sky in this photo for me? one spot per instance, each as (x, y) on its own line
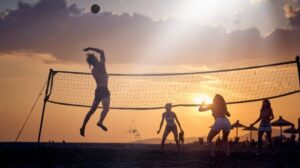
(138, 36)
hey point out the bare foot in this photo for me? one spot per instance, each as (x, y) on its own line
(102, 126)
(82, 132)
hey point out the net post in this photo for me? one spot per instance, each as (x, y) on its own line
(298, 66)
(45, 101)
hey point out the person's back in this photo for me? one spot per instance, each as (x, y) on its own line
(265, 115)
(100, 75)
(219, 112)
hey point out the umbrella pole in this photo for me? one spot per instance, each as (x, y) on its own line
(281, 133)
(250, 135)
(237, 130)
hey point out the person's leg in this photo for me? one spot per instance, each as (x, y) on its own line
(88, 116)
(212, 133)
(105, 105)
(225, 142)
(269, 137)
(175, 133)
(165, 135)
(260, 143)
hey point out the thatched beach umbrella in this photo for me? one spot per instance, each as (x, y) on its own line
(281, 123)
(292, 130)
(251, 128)
(237, 125)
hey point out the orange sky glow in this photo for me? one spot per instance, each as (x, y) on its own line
(139, 40)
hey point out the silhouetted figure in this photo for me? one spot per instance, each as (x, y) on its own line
(293, 135)
(170, 118)
(219, 112)
(253, 143)
(230, 142)
(201, 141)
(102, 93)
(181, 137)
(236, 140)
(266, 116)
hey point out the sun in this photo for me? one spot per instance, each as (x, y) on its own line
(202, 98)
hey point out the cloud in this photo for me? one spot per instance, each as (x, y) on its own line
(293, 15)
(53, 27)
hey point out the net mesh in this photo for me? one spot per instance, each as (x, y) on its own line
(152, 91)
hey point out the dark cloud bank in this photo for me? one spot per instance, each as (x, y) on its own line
(50, 26)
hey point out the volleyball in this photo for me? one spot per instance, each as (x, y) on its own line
(95, 8)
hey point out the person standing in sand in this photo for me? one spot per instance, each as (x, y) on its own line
(170, 118)
(219, 112)
(102, 93)
(266, 116)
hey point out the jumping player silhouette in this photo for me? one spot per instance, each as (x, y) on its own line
(102, 93)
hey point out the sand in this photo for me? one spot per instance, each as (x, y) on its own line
(138, 155)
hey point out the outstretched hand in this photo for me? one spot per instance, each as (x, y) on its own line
(93, 49)
(158, 131)
(87, 49)
(201, 108)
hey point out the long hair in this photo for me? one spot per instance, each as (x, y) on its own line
(266, 105)
(219, 104)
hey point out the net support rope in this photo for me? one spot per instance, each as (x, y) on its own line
(152, 91)
(30, 112)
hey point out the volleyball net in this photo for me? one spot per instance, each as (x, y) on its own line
(152, 91)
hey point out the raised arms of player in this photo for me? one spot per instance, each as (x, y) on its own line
(101, 52)
(161, 123)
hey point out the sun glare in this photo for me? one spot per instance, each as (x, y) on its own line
(194, 9)
(202, 98)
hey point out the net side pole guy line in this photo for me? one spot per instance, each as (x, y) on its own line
(298, 65)
(28, 116)
(45, 101)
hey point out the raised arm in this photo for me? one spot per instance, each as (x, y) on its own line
(161, 123)
(178, 122)
(102, 56)
(97, 50)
